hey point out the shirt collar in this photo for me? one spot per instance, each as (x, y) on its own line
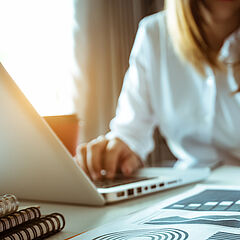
(230, 51)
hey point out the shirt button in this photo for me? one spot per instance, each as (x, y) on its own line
(209, 81)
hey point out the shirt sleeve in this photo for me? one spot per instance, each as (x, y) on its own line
(134, 120)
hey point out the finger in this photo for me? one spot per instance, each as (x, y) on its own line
(81, 157)
(95, 151)
(111, 158)
(130, 164)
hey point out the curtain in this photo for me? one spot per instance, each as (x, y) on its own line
(104, 31)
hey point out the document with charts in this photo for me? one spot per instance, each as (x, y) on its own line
(207, 212)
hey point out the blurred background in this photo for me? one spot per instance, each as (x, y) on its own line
(69, 57)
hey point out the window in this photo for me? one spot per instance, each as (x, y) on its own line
(36, 49)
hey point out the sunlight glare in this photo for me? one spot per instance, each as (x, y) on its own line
(36, 48)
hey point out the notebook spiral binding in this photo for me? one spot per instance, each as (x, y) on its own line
(8, 204)
(19, 217)
(37, 229)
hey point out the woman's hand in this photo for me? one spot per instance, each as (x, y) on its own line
(108, 155)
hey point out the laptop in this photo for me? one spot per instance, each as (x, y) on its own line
(35, 165)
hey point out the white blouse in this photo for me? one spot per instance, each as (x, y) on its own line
(198, 116)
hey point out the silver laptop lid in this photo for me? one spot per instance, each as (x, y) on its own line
(34, 163)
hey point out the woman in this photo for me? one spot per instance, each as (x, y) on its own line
(184, 78)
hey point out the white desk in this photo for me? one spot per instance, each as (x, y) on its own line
(82, 218)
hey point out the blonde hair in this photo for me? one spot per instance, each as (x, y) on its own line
(185, 26)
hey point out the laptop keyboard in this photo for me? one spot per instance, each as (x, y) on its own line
(117, 181)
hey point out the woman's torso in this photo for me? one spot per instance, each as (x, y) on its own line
(198, 115)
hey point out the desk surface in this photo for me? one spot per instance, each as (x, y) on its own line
(82, 218)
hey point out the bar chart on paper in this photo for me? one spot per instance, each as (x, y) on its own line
(210, 200)
(203, 213)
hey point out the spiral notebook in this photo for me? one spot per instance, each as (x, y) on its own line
(26, 223)
(35, 165)
(40, 228)
(8, 204)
